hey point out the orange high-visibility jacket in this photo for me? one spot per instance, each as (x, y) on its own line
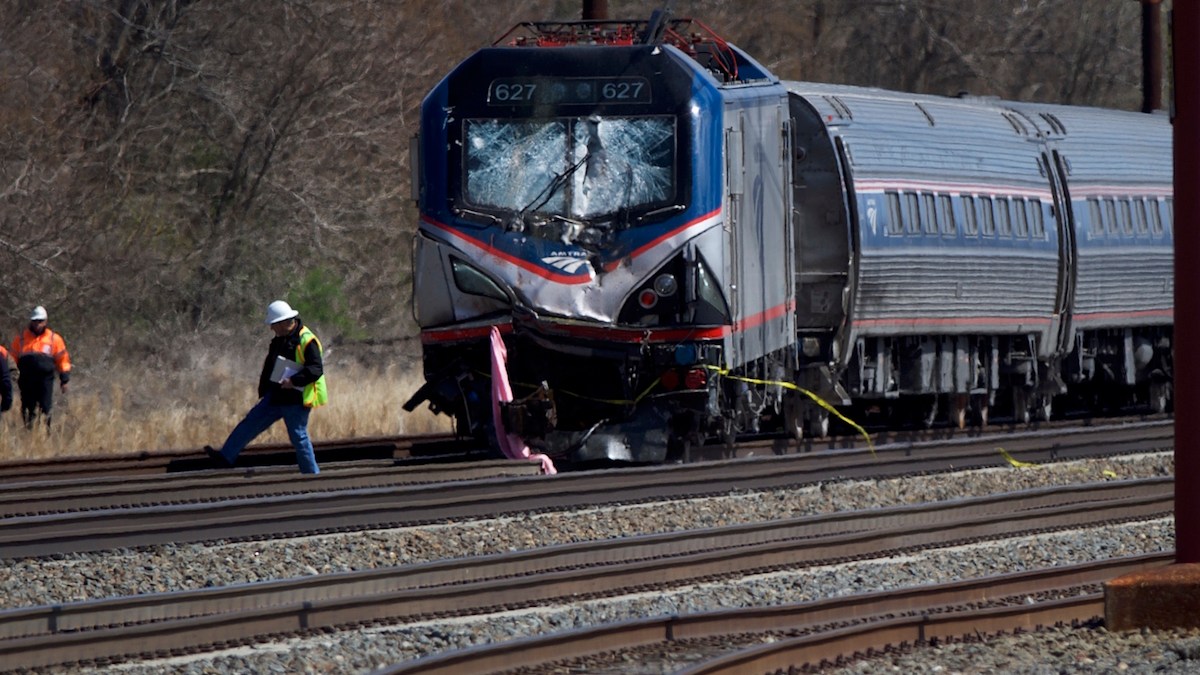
(49, 345)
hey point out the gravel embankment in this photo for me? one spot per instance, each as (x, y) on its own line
(86, 576)
(1052, 652)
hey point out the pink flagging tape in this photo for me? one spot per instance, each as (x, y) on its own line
(512, 445)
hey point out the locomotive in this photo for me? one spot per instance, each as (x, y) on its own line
(678, 247)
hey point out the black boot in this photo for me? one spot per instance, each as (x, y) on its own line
(218, 460)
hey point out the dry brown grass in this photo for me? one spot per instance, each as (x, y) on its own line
(133, 410)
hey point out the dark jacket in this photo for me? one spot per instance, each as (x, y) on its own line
(286, 347)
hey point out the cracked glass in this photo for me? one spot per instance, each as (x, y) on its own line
(582, 168)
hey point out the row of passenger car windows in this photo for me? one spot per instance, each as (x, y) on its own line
(933, 213)
(1129, 216)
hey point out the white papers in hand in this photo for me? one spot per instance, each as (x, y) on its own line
(284, 368)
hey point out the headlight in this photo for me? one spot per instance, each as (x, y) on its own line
(811, 347)
(470, 280)
(665, 285)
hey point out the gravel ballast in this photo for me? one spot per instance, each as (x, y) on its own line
(106, 574)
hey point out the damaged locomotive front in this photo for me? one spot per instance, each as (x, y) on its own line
(571, 196)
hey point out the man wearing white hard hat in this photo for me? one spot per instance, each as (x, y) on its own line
(292, 383)
(40, 353)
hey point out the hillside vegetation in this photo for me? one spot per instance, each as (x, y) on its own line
(167, 167)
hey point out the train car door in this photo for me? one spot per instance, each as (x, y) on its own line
(1064, 221)
(761, 241)
(734, 193)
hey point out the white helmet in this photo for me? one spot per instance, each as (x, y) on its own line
(38, 314)
(279, 311)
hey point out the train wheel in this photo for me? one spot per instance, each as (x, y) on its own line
(1021, 404)
(1045, 407)
(1159, 397)
(729, 432)
(929, 410)
(958, 410)
(979, 409)
(793, 416)
(818, 422)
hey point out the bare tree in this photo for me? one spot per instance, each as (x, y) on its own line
(1061, 51)
(167, 165)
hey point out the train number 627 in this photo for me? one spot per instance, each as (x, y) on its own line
(622, 90)
(515, 92)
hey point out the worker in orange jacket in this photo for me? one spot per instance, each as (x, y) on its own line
(5, 381)
(40, 353)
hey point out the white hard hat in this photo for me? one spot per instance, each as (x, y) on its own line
(38, 314)
(279, 311)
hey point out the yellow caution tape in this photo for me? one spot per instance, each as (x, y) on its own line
(725, 373)
(1110, 473)
(1014, 461)
(788, 385)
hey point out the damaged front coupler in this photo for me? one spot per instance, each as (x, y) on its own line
(531, 417)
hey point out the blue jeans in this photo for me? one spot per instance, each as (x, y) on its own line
(260, 418)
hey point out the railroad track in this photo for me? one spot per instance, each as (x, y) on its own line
(409, 449)
(115, 492)
(443, 448)
(105, 631)
(788, 638)
(257, 504)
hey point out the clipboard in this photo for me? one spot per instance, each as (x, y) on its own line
(284, 368)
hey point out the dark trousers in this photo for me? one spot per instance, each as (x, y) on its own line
(37, 392)
(260, 418)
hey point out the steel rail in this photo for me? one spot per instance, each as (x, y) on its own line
(191, 459)
(882, 633)
(431, 447)
(297, 513)
(900, 438)
(16, 623)
(193, 619)
(821, 620)
(107, 492)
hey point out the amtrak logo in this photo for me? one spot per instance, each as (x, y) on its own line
(566, 263)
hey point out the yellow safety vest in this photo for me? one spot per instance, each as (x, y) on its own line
(314, 392)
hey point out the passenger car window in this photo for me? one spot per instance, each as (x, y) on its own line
(970, 218)
(931, 213)
(1037, 226)
(1096, 226)
(989, 221)
(1156, 223)
(1139, 216)
(1003, 224)
(1110, 217)
(895, 217)
(946, 215)
(913, 223)
(1020, 219)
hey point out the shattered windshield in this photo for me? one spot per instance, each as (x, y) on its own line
(583, 167)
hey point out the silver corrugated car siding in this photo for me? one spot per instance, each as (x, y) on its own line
(1126, 287)
(1123, 285)
(919, 293)
(956, 288)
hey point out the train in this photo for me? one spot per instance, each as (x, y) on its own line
(678, 248)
